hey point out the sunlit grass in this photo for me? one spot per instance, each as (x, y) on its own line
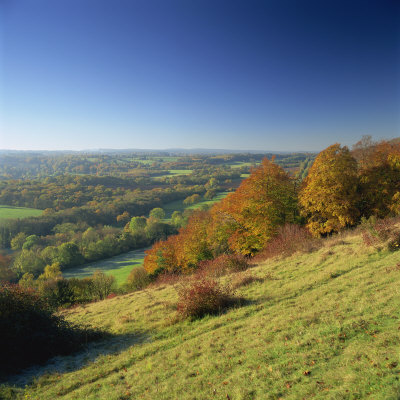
(178, 205)
(119, 266)
(18, 212)
(320, 325)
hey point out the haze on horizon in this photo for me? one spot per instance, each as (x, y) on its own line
(152, 74)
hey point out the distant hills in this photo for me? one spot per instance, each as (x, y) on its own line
(175, 151)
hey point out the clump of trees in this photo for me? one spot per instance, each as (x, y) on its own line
(241, 223)
(340, 188)
(343, 186)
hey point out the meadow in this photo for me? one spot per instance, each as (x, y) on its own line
(18, 212)
(322, 324)
(178, 205)
(119, 266)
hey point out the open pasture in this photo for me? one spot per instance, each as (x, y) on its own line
(119, 266)
(178, 205)
(18, 212)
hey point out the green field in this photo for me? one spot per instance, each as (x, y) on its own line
(18, 212)
(176, 172)
(320, 325)
(239, 164)
(119, 266)
(180, 171)
(178, 205)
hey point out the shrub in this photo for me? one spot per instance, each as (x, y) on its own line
(290, 238)
(377, 232)
(138, 279)
(203, 296)
(224, 264)
(82, 289)
(103, 285)
(31, 333)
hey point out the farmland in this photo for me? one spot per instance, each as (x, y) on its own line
(18, 212)
(119, 266)
(178, 205)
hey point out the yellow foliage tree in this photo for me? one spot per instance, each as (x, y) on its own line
(328, 196)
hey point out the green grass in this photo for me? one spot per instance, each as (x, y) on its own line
(239, 164)
(119, 266)
(322, 325)
(180, 171)
(18, 212)
(176, 172)
(178, 205)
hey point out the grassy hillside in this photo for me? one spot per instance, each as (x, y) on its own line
(18, 212)
(319, 325)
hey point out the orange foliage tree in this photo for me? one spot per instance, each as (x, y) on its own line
(248, 218)
(329, 196)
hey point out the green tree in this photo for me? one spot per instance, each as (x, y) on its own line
(30, 241)
(69, 255)
(103, 285)
(137, 223)
(18, 241)
(157, 213)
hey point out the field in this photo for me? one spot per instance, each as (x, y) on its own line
(321, 325)
(239, 164)
(178, 205)
(176, 172)
(18, 212)
(119, 266)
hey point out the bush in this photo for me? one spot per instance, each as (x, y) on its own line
(203, 296)
(224, 264)
(378, 232)
(138, 279)
(82, 289)
(103, 285)
(289, 239)
(31, 333)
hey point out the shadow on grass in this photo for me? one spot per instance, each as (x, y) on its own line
(111, 344)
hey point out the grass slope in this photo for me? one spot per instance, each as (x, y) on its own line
(323, 325)
(119, 266)
(18, 212)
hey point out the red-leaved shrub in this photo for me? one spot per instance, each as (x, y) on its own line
(224, 264)
(203, 295)
(290, 238)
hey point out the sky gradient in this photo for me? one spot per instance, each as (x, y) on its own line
(265, 75)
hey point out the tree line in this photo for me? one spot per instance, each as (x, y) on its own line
(341, 187)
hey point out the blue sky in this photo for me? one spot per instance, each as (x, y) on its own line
(268, 75)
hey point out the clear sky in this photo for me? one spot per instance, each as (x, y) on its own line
(267, 75)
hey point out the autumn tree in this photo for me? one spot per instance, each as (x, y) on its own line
(249, 217)
(328, 196)
(379, 174)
